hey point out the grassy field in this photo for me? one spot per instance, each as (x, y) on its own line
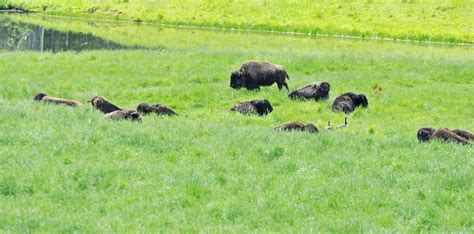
(440, 20)
(69, 170)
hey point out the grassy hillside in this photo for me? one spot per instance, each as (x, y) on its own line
(69, 170)
(448, 21)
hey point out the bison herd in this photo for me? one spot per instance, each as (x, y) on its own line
(251, 76)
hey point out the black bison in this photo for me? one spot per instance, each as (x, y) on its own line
(298, 126)
(254, 74)
(316, 91)
(348, 102)
(427, 134)
(45, 98)
(103, 105)
(158, 109)
(259, 107)
(123, 115)
(464, 134)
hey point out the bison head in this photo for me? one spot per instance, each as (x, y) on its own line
(322, 92)
(362, 100)
(96, 100)
(263, 107)
(424, 134)
(144, 108)
(236, 80)
(40, 96)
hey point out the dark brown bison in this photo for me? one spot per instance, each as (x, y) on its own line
(254, 74)
(45, 98)
(259, 107)
(348, 102)
(316, 91)
(444, 134)
(123, 115)
(158, 109)
(103, 105)
(298, 126)
(464, 134)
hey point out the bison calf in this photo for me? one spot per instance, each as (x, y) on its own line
(316, 91)
(158, 109)
(254, 74)
(444, 134)
(298, 126)
(260, 107)
(123, 114)
(45, 98)
(348, 102)
(103, 105)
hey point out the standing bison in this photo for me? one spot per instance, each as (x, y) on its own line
(316, 91)
(254, 74)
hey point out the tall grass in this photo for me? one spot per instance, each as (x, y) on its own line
(69, 170)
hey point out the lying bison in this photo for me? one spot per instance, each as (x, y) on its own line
(123, 115)
(348, 102)
(254, 74)
(158, 109)
(316, 91)
(43, 97)
(297, 126)
(444, 134)
(103, 105)
(259, 107)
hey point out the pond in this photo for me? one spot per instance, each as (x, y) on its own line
(24, 32)
(18, 36)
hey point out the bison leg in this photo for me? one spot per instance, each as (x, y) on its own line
(252, 85)
(280, 86)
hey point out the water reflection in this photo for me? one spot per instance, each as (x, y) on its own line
(16, 36)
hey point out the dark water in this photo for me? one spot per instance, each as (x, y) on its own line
(15, 36)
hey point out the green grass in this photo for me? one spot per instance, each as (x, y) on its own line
(69, 170)
(440, 20)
